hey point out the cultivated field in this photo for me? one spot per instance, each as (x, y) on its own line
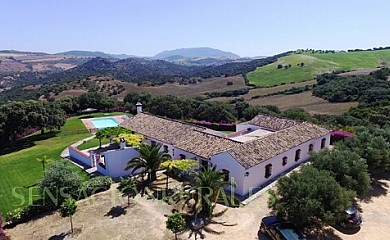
(25, 62)
(305, 100)
(315, 64)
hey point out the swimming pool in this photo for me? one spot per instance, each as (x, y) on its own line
(104, 122)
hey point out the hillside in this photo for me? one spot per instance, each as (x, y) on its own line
(203, 52)
(130, 69)
(315, 64)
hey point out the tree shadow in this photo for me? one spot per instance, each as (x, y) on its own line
(116, 211)
(58, 237)
(61, 236)
(85, 117)
(26, 142)
(347, 231)
(322, 234)
(32, 185)
(379, 187)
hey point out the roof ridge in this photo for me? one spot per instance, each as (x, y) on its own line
(225, 138)
(172, 120)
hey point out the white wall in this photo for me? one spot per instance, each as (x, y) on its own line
(116, 162)
(80, 156)
(257, 180)
(236, 171)
(240, 127)
(170, 147)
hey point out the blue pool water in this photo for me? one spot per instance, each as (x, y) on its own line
(104, 122)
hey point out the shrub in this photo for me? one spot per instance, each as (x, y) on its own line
(95, 185)
(217, 126)
(15, 215)
(175, 223)
(130, 139)
(60, 182)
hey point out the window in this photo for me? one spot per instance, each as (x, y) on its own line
(226, 173)
(311, 147)
(284, 162)
(205, 164)
(101, 161)
(268, 171)
(165, 148)
(182, 156)
(297, 155)
(323, 142)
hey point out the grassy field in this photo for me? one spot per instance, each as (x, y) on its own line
(19, 168)
(315, 64)
(92, 143)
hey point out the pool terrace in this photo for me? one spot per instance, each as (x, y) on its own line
(93, 124)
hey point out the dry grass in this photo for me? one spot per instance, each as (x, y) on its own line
(218, 84)
(76, 93)
(305, 100)
(363, 72)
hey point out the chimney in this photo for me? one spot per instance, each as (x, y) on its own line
(139, 107)
(122, 143)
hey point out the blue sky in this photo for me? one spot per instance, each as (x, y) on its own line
(146, 27)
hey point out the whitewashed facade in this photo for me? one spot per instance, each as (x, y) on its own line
(261, 150)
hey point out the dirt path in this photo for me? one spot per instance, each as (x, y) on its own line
(106, 216)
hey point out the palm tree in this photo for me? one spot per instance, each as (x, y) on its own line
(127, 187)
(204, 190)
(44, 161)
(100, 134)
(150, 159)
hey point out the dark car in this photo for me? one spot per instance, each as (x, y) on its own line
(279, 229)
(353, 218)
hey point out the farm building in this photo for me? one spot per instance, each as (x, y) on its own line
(256, 154)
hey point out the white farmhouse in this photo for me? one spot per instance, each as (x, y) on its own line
(256, 154)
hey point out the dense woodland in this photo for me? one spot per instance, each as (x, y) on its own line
(372, 92)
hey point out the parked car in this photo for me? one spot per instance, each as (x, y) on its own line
(353, 218)
(277, 228)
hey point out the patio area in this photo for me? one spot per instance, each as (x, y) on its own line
(88, 122)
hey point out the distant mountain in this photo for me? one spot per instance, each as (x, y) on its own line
(22, 52)
(95, 54)
(203, 52)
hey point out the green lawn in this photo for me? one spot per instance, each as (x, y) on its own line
(93, 143)
(315, 64)
(19, 169)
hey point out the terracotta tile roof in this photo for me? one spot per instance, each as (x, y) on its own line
(163, 129)
(252, 153)
(194, 139)
(204, 144)
(271, 122)
(185, 136)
